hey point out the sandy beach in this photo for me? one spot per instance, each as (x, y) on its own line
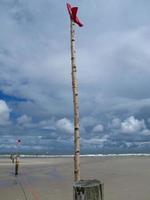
(52, 178)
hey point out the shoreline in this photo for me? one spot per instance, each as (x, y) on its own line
(84, 155)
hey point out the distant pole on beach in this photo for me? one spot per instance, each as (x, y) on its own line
(73, 21)
(16, 165)
(18, 142)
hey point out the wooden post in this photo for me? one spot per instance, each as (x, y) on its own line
(76, 105)
(88, 190)
(16, 165)
(13, 159)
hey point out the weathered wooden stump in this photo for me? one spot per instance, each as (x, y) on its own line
(88, 190)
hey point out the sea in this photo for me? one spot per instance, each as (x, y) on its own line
(85, 155)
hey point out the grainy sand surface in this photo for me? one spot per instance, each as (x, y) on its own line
(52, 178)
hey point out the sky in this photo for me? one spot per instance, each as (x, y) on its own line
(113, 56)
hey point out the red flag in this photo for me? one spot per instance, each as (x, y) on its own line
(18, 141)
(73, 14)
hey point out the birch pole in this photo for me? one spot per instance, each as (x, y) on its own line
(76, 105)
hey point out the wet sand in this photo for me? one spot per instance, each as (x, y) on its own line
(52, 178)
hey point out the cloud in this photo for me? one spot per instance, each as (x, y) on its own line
(65, 125)
(145, 132)
(116, 123)
(48, 124)
(98, 128)
(132, 125)
(24, 120)
(112, 66)
(94, 143)
(88, 121)
(4, 113)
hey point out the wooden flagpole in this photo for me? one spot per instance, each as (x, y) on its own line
(83, 189)
(76, 105)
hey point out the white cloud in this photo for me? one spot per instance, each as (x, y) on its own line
(24, 120)
(65, 125)
(4, 113)
(116, 123)
(132, 125)
(98, 128)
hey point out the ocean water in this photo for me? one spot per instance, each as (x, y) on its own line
(86, 155)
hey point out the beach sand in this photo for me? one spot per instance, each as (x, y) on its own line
(52, 178)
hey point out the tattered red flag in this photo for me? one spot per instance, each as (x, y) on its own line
(73, 14)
